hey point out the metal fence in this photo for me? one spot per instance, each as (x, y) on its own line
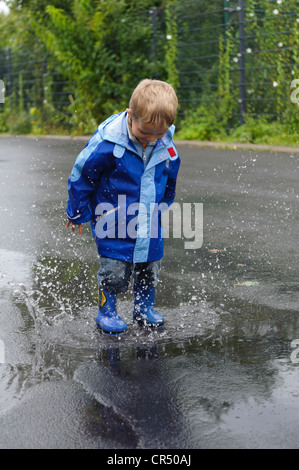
(232, 56)
(244, 52)
(27, 75)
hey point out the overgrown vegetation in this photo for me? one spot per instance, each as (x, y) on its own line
(90, 54)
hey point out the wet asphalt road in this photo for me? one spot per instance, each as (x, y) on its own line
(222, 373)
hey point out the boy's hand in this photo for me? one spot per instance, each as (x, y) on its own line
(74, 227)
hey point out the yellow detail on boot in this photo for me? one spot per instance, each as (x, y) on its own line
(103, 300)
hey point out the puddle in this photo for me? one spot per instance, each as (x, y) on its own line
(221, 373)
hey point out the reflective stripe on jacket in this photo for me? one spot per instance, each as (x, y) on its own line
(110, 185)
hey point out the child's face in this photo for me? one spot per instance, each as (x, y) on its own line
(145, 133)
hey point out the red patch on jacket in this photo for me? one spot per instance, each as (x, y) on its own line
(171, 152)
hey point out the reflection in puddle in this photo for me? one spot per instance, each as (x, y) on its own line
(219, 374)
(57, 299)
(216, 354)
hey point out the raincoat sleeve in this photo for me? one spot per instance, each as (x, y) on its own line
(169, 194)
(84, 181)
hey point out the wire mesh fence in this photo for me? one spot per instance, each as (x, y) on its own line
(27, 77)
(244, 53)
(227, 57)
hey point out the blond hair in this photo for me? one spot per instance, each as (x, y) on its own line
(154, 102)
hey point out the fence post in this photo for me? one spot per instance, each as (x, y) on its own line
(226, 16)
(153, 12)
(45, 69)
(242, 82)
(9, 72)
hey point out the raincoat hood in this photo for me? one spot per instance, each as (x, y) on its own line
(115, 130)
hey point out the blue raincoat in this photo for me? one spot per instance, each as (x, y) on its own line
(123, 198)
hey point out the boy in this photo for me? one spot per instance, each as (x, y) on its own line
(129, 166)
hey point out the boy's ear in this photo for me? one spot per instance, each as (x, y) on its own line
(130, 113)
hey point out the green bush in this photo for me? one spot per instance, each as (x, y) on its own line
(200, 125)
(259, 131)
(255, 130)
(19, 123)
(3, 121)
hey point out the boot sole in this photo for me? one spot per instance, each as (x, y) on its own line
(149, 325)
(110, 333)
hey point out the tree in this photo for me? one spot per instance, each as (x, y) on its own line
(102, 47)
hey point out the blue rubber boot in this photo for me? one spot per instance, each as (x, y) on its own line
(144, 312)
(107, 318)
